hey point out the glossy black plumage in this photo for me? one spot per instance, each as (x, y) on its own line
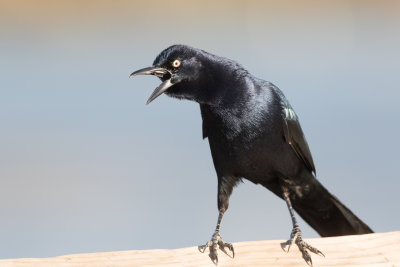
(253, 134)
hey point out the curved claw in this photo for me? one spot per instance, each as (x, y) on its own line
(213, 251)
(312, 249)
(214, 258)
(202, 248)
(213, 245)
(306, 255)
(222, 247)
(230, 246)
(296, 237)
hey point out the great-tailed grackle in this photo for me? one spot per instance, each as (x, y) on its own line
(254, 134)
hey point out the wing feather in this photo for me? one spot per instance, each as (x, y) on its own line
(294, 136)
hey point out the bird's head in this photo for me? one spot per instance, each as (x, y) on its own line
(187, 73)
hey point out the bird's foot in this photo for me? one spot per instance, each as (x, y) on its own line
(215, 242)
(296, 237)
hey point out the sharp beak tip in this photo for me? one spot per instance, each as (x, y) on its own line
(133, 74)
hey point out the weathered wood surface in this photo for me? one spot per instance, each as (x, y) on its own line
(381, 249)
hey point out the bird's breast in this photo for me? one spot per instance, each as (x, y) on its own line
(243, 154)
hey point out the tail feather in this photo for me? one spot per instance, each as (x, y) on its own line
(327, 214)
(359, 226)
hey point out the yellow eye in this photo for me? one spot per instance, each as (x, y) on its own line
(176, 63)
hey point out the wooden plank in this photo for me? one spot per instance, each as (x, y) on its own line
(381, 249)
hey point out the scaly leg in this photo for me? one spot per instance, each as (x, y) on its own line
(215, 242)
(225, 187)
(295, 236)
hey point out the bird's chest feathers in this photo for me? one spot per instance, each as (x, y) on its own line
(231, 125)
(233, 134)
(242, 122)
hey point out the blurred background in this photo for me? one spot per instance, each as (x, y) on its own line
(86, 166)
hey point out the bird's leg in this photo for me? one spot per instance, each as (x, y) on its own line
(225, 187)
(295, 236)
(216, 241)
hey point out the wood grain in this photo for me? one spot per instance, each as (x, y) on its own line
(380, 249)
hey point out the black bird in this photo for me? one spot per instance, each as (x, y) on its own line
(255, 134)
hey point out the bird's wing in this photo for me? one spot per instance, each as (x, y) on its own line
(294, 136)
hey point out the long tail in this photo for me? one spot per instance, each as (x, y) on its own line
(326, 214)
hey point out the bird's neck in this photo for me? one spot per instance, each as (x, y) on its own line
(228, 85)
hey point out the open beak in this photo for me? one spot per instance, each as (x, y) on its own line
(159, 72)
